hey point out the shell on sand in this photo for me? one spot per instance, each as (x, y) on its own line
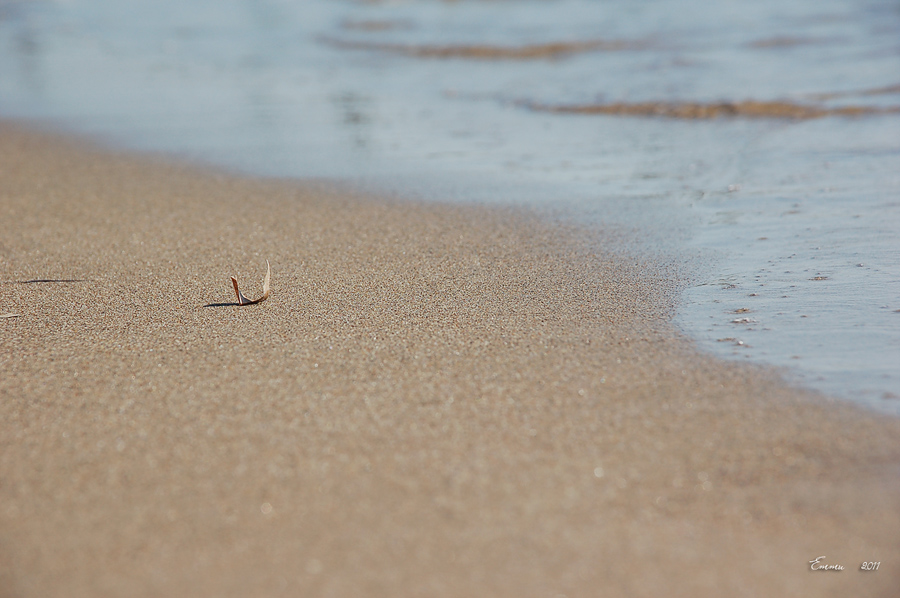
(243, 300)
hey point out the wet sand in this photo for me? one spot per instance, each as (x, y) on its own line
(434, 401)
(698, 110)
(550, 50)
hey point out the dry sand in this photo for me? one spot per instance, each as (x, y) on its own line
(435, 401)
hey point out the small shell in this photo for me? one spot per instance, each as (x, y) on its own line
(243, 300)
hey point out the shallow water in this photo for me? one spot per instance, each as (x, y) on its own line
(797, 220)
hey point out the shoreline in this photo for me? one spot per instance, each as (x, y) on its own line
(435, 400)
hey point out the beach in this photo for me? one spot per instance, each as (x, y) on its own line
(435, 400)
(758, 142)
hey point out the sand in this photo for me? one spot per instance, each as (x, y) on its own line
(547, 51)
(435, 400)
(698, 110)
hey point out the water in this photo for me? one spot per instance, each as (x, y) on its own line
(796, 222)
